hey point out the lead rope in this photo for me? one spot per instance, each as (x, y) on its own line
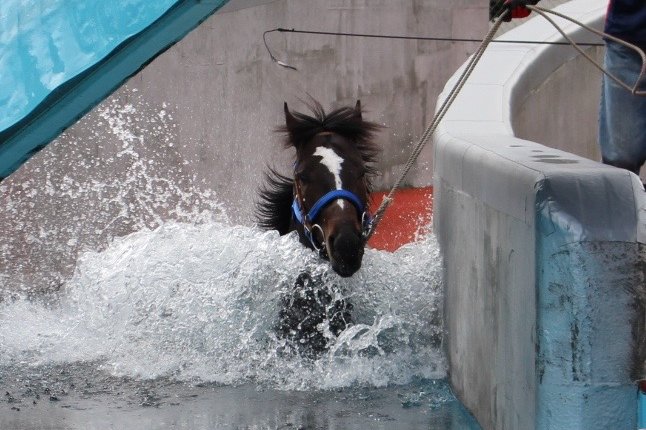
(388, 199)
(543, 12)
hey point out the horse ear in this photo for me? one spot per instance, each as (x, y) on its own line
(290, 121)
(357, 108)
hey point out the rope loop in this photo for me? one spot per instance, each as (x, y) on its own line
(633, 89)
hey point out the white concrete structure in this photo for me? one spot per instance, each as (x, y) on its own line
(544, 250)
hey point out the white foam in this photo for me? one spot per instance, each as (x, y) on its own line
(199, 302)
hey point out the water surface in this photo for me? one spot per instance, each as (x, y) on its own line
(175, 328)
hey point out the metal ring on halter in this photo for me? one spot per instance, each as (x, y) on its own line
(321, 248)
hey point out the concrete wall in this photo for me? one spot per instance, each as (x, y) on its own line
(563, 111)
(545, 305)
(192, 132)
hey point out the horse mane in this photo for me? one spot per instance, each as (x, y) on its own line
(345, 121)
(274, 209)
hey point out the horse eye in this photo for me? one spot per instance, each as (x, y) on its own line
(302, 177)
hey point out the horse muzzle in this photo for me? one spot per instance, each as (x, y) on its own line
(345, 250)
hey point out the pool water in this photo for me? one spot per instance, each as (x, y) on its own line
(77, 397)
(175, 328)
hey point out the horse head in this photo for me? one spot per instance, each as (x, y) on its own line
(334, 161)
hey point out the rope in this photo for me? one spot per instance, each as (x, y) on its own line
(543, 12)
(271, 55)
(388, 199)
(429, 38)
(399, 37)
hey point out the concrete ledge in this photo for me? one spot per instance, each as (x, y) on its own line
(544, 254)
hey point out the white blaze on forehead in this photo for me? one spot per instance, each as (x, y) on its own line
(332, 161)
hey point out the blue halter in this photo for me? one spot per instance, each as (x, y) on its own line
(306, 219)
(324, 201)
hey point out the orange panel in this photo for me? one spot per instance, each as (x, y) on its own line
(409, 214)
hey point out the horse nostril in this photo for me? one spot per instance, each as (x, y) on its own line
(332, 238)
(346, 243)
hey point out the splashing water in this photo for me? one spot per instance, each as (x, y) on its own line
(120, 169)
(173, 292)
(201, 302)
(189, 296)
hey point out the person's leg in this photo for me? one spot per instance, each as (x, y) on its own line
(622, 116)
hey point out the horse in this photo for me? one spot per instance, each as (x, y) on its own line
(326, 200)
(326, 203)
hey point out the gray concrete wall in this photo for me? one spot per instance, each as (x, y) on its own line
(486, 237)
(191, 133)
(563, 110)
(544, 250)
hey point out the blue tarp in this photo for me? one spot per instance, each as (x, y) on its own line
(61, 57)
